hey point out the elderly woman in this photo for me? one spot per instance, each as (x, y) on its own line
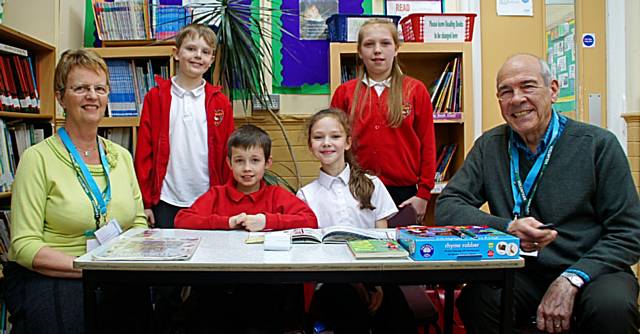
(65, 188)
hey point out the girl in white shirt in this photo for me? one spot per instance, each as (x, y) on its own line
(343, 194)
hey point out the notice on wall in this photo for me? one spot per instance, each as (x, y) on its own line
(445, 28)
(313, 14)
(403, 8)
(514, 7)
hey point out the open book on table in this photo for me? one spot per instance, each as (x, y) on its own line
(335, 234)
(147, 246)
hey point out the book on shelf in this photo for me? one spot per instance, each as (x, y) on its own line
(5, 232)
(130, 80)
(147, 247)
(447, 91)
(15, 137)
(335, 234)
(444, 161)
(377, 248)
(121, 20)
(18, 87)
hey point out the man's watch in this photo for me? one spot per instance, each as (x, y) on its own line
(574, 279)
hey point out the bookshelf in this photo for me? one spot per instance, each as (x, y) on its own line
(157, 54)
(425, 61)
(43, 58)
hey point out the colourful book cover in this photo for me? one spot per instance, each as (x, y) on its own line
(376, 248)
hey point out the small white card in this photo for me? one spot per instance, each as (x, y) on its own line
(108, 232)
(92, 244)
(277, 241)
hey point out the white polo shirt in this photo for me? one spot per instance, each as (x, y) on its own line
(332, 202)
(188, 169)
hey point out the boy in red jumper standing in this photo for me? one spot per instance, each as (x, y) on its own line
(184, 127)
(247, 203)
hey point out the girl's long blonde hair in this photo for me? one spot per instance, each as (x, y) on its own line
(395, 96)
(360, 185)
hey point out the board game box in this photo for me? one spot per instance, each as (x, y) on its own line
(461, 243)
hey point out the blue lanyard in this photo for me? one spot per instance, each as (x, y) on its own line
(99, 200)
(523, 193)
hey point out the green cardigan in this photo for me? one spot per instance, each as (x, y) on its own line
(587, 191)
(50, 208)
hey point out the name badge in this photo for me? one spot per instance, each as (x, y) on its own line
(108, 232)
(92, 243)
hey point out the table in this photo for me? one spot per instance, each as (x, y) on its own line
(223, 257)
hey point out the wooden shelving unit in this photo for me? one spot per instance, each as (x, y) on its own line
(425, 61)
(44, 61)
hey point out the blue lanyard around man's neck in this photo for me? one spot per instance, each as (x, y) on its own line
(523, 193)
(99, 200)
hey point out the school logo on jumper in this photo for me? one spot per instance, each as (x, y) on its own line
(218, 115)
(406, 110)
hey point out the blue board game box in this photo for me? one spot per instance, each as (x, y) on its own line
(461, 243)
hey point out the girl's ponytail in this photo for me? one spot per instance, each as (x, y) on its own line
(360, 184)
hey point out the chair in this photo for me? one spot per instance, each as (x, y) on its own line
(423, 309)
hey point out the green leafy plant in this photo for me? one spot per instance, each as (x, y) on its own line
(244, 52)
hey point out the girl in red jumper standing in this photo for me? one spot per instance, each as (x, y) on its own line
(392, 118)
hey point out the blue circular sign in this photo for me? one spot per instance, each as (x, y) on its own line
(588, 40)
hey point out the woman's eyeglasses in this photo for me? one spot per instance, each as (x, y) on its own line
(101, 90)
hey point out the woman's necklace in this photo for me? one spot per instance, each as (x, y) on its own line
(88, 152)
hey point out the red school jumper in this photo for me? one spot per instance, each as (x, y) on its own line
(152, 149)
(402, 156)
(212, 210)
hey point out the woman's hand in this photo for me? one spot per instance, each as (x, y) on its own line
(151, 219)
(54, 263)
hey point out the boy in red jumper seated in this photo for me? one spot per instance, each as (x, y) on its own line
(247, 203)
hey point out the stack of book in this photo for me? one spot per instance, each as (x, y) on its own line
(138, 19)
(18, 87)
(446, 92)
(130, 80)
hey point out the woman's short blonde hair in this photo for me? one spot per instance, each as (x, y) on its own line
(77, 57)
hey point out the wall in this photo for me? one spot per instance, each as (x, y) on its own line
(41, 23)
(503, 36)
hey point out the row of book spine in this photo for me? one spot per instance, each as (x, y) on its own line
(15, 138)
(444, 161)
(138, 19)
(446, 92)
(18, 86)
(130, 80)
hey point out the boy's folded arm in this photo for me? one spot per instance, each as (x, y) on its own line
(201, 214)
(191, 219)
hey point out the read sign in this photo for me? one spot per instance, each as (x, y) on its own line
(445, 28)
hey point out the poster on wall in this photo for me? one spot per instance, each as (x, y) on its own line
(514, 7)
(561, 56)
(313, 17)
(302, 66)
(403, 8)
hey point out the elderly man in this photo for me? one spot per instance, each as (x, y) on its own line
(542, 168)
